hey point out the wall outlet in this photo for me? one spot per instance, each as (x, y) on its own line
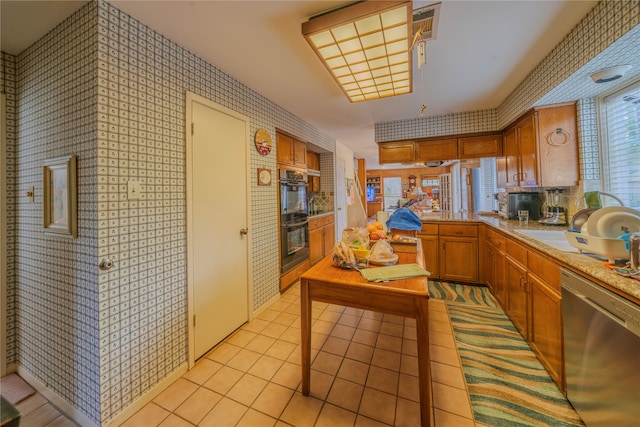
(133, 190)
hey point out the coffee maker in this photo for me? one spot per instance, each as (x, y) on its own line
(555, 211)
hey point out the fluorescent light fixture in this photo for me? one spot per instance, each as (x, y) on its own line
(365, 46)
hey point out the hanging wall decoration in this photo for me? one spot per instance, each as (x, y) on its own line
(60, 196)
(263, 141)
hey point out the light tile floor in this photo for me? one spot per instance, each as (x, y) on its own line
(364, 374)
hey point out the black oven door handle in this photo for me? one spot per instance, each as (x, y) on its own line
(295, 224)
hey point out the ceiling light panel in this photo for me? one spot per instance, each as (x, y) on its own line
(365, 46)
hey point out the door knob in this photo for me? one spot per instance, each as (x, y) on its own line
(244, 231)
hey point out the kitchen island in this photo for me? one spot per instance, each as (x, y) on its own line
(404, 297)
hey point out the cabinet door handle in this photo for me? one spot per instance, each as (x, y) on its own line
(515, 176)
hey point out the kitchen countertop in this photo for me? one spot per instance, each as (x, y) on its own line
(319, 214)
(587, 264)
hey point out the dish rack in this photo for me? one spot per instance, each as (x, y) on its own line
(606, 247)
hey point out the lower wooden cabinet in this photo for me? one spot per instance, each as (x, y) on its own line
(545, 336)
(450, 251)
(459, 259)
(527, 285)
(373, 208)
(517, 306)
(321, 237)
(494, 262)
(430, 252)
(292, 276)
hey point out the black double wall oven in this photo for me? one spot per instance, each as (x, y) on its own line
(294, 218)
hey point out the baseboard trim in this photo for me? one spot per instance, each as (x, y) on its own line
(55, 399)
(263, 307)
(139, 403)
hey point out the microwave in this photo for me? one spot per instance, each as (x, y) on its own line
(510, 203)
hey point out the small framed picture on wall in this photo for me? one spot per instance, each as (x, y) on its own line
(60, 196)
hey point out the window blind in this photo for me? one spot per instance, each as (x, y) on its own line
(488, 185)
(621, 150)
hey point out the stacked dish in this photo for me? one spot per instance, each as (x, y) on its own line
(612, 222)
(604, 231)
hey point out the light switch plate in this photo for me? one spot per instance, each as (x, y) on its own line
(133, 190)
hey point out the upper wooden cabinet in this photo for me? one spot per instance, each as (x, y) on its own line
(446, 148)
(313, 160)
(541, 148)
(474, 147)
(396, 152)
(436, 149)
(290, 151)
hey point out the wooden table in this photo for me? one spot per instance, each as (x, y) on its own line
(407, 297)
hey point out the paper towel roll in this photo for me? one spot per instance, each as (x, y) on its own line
(382, 217)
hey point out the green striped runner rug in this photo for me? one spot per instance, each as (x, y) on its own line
(479, 295)
(507, 384)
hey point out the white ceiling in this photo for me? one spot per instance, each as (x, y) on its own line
(482, 51)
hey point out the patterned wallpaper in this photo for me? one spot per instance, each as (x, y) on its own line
(109, 89)
(53, 295)
(449, 124)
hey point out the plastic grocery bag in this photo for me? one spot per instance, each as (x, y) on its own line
(355, 237)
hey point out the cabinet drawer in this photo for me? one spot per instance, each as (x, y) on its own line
(459, 230)
(429, 229)
(516, 252)
(320, 221)
(314, 223)
(496, 239)
(545, 269)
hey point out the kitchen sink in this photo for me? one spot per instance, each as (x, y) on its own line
(553, 238)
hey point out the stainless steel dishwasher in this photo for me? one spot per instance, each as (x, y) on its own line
(602, 353)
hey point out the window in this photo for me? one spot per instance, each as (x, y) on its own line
(620, 114)
(488, 188)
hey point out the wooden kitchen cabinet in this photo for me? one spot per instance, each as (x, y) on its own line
(436, 149)
(516, 278)
(477, 147)
(321, 237)
(313, 161)
(545, 336)
(429, 238)
(541, 148)
(396, 152)
(313, 182)
(373, 208)
(527, 285)
(458, 252)
(290, 151)
(450, 251)
(494, 265)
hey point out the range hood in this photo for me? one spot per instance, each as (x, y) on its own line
(438, 163)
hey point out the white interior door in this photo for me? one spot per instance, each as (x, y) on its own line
(218, 212)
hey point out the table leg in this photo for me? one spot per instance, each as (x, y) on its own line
(424, 361)
(305, 342)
